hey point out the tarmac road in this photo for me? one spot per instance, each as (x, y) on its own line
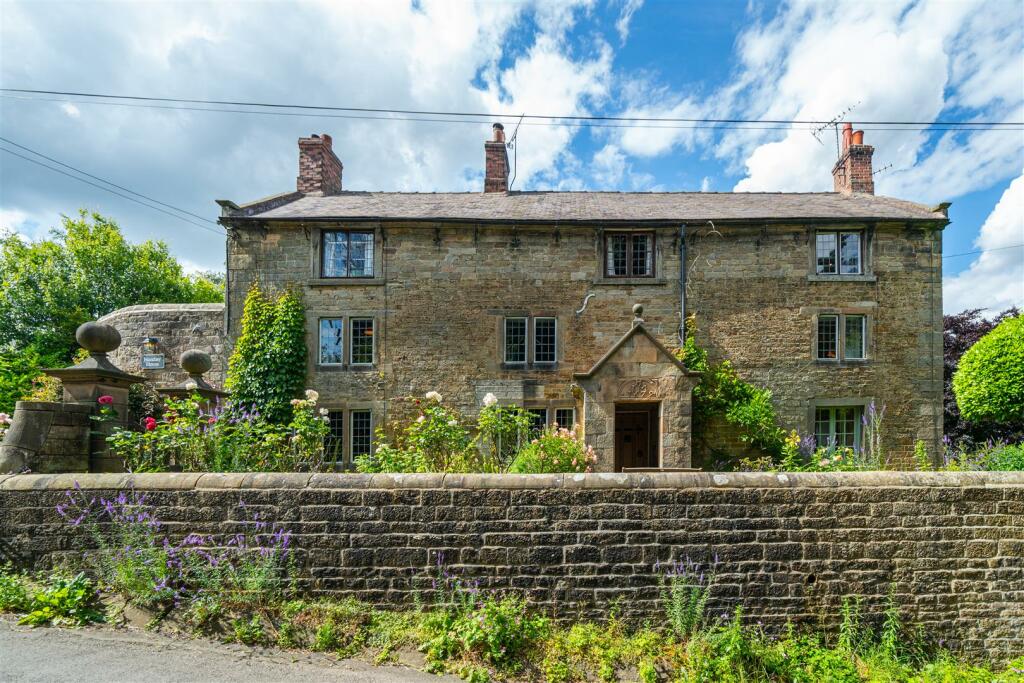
(106, 655)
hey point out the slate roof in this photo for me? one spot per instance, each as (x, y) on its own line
(567, 207)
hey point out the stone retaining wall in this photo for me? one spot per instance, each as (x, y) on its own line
(789, 545)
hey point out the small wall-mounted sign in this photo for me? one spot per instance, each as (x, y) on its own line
(152, 361)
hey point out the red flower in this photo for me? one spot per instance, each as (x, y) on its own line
(211, 420)
(150, 424)
(105, 400)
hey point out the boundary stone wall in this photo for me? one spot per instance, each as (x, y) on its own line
(179, 327)
(789, 546)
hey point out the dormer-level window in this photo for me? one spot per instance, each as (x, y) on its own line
(629, 254)
(346, 253)
(839, 252)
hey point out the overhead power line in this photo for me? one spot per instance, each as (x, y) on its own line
(983, 251)
(489, 115)
(473, 121)
(107, 189)
(90, 175)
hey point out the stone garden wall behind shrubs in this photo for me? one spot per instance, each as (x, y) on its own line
(789, 546)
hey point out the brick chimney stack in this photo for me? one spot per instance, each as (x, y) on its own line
(319, 168)
(852, 173)
(496, 162)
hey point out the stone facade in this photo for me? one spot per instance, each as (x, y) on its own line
(789, 546)
(178, 327)
(443, 291)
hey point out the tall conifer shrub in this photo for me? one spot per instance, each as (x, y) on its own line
(267, 368)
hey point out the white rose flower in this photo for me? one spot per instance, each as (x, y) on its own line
(421, 418)
(433, 396)
(324, 411)
(489, 400)
(312, 395)
(191, 384)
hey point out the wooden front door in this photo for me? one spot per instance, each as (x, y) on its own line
(636, 442)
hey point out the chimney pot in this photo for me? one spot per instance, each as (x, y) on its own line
(858, 137)
(847, 135)
(499, 132)
(319, 167)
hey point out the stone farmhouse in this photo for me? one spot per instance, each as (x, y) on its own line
(832, 300)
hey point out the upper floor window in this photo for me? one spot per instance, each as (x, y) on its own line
(347, 254)
(838, 252)
(629, 254)
(841, 336)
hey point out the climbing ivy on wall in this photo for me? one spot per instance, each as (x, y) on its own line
(267, 368)
(722, 392)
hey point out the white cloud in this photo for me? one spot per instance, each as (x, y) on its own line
(705, 184)
(995, 280)
(433, 55)
(71, 110)
(892, 61)
(629, 8)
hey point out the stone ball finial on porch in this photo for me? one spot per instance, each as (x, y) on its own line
(195, 363)
(638, 312)
(97, 338)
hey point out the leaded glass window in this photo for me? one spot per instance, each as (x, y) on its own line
(331, 341)
(347, 254)
(515, 340)
(629, 254)
(361, 341)
(853, 348)
(828, 337)
(544, 336)
(362, 433)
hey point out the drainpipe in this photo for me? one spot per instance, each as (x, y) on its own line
(682, 284)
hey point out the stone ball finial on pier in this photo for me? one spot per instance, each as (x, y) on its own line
(195, 363)
(97, 338)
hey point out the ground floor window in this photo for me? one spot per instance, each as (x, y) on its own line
(334, 444)
(565, 417)
(838, 426)
(354, 427)
(538, 420)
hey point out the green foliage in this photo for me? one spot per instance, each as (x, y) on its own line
(990, 458)
(556, 449)
(268, 365)
(497, 631)
(14, 591)
(989, 382)
(685, 590)
(921, 458)
(248, 632)
(85, 270)
(501, 431)
(225, 440)
(721, 392)
(18, 370)
(435, 441)
(64, 601)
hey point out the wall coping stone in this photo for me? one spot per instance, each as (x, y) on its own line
(141, 308)
(656, 480)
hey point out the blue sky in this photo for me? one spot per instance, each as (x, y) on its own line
(893, 60)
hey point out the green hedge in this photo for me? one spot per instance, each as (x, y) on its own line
(989, 382)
